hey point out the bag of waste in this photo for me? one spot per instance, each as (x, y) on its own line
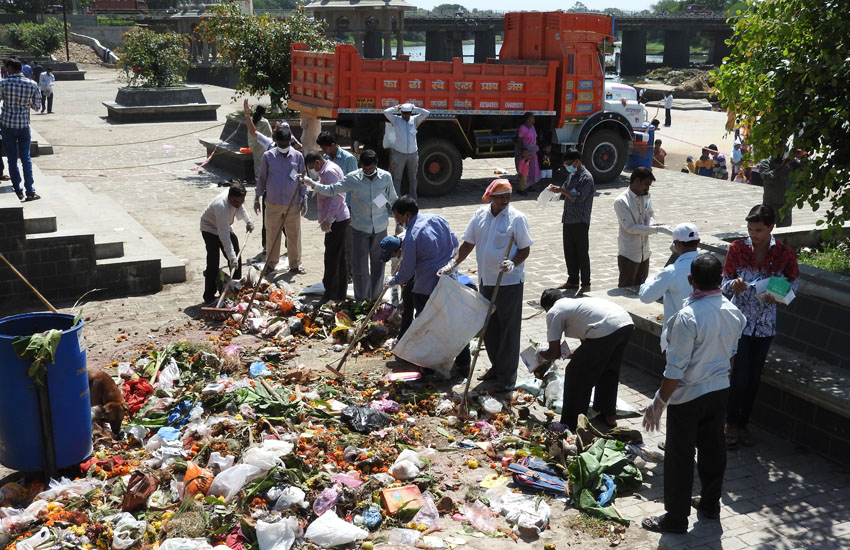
(526, 512)
(364, 419)
(127, 532)
(197, 480)
(407, 465)
(428, 514)
(479, 516)
(218, 463)
(553, 390)
(329, 530)
(268, 454)
(65, 486)
(287, 497)
(228, 483)
(168, 376)
(372, 517)
(453, 316)
(40, 540)
(185, 544)
(279, 535)
(325, 501)
(140, 486)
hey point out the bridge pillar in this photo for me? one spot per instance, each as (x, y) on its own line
(633, 60)
(372, 47)
(388, 45)
(718, 49)
(436, 47)
(485, 45)
(677, 49)
(454, 43)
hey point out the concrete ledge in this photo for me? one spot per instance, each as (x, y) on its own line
(160, 113)
(69, 75)
(229, 158)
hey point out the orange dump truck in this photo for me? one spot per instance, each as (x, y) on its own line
(550, 64)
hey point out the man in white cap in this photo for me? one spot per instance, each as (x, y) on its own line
(405, 119)
(671, 283)
(489, 232)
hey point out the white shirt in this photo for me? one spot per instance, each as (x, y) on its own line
(45, 82)
(671, 284)
(702, 337)
(217, 219)
(490, 236)
(405, 131)
(635, 216)
(585, 319)
(668, 101)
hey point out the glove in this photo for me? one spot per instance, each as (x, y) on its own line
(249, 227)
(652, 413)
(390, 281)
(448, 268)
(233, 264)
(506, 266)
(303, 209)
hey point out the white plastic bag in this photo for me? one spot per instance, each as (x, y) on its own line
(185, 544)
(389, 135)
(42, 537)
(65, 486)
(407, 465)
(525, 512)
(218, 463)
(168, 376)
(545, 197)
(268, 454)
(228, 483)
(279, 535)
(453, 316)
(290, 496)
(553, 392)
(329, 530)
(127, 532)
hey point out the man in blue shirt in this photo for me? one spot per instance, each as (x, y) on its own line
(19, 95)
(703, 338)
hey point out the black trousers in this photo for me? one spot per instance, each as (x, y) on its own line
(407, 307)
(746, 375)
(695, 425)
(596, 363)
(631, 273)
(503, 333)
(464, 358)
(47, 101)
(336, 274)
(667, 120)
(577, 253)
(213, 245)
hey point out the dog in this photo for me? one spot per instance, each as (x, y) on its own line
(104, 393)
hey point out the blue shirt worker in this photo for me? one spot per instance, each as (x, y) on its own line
(372, 192)
(703, 338)
(285, 198)
(405, 119)
(671, 283)
(19, 95)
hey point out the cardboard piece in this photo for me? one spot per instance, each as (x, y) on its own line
(408, 497)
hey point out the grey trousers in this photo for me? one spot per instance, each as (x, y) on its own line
(366, 264)
(503, 333)
(402, 162)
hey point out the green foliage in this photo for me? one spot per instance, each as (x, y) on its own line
(153, 60)
(39, 39)
(259, 47)
(40, 349)
(834, 257)
(788, 72)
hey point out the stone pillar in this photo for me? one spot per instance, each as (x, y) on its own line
(310, 129)
(388, 45)
(372, 47)
(435, 46)
(633, 53)
(485, 45)
(719, 49)
(677, 49)
(399, 47)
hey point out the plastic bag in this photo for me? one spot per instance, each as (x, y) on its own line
(455, 314)
(386, 405)
(268, 454)
(288, 497)
(526, 512)
(65, 486)
(364, 419)
(444, 406)
(608, 492)
(41, 538)
(553, 392)
(218, 463)
(127, 532)
(278, 536)
(480, 517)
(349, 479)
(228, 483)
(407, 465)
(197, 480)
(329, 530)
(403, 537)
(428, 514)
(325, 501)
(372, 517)
(389, 136)
(140, 486)
(258, 369)
(185, 544)
(168, 376)
(491, 405)
(545, 197)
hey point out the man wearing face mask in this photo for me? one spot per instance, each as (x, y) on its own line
(372, 192)
(636, 217)
(489, 232)
(279, 184)
(577, 192)
(405, 119)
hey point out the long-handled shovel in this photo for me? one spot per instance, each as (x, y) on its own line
(463, 410)
(361, 328)
(218, 312)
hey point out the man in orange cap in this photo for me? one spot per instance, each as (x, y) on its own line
(489, 231)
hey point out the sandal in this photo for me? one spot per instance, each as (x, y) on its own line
(33, 197)
(658, 525)
(709, 514)
(731, 437)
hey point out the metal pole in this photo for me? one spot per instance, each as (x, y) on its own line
(65, 21)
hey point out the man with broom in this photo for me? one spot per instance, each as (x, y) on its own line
(215, 229)
(502, 242)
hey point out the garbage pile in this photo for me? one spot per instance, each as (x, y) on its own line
(238, 445)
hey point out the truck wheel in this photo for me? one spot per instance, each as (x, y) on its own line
(440, 167)
(604, 155)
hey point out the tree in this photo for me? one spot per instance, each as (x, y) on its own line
(788, 72)
(152, 59)
(259, 47)
(39, 39)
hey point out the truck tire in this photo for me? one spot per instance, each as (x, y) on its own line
(604, 155)
(440, 167)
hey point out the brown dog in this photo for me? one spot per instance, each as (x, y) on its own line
(104, 393)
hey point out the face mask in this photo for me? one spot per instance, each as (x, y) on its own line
(572, 169)
(312, 173)
(283, 150)
(372, 175)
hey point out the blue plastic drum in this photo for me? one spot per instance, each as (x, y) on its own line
(67, 381)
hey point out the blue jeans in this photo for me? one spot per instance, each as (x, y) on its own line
(16, 141)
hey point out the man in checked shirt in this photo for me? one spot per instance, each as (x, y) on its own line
(19, 94)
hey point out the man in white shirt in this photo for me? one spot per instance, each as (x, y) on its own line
(703, 338)
(668, 107)
(489, 231)
(672, 282)
(604, 329)
(635, 216)
(405, 119)
(215, 229)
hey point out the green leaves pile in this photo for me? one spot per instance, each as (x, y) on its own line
(38, 348)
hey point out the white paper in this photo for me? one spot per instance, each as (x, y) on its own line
(762, 293)
(530, 359)
(380, 200)
(294, 174)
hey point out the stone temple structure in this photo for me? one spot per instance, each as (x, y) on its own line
(372, 23)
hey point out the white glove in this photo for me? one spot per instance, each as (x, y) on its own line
(304, 209)
(390, 281)
(233, 264)
(506, 266)
(652, 413)
(448, 268)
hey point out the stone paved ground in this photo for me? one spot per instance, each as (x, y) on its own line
(776, 496)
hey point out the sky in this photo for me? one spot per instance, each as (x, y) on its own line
(537, 5)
